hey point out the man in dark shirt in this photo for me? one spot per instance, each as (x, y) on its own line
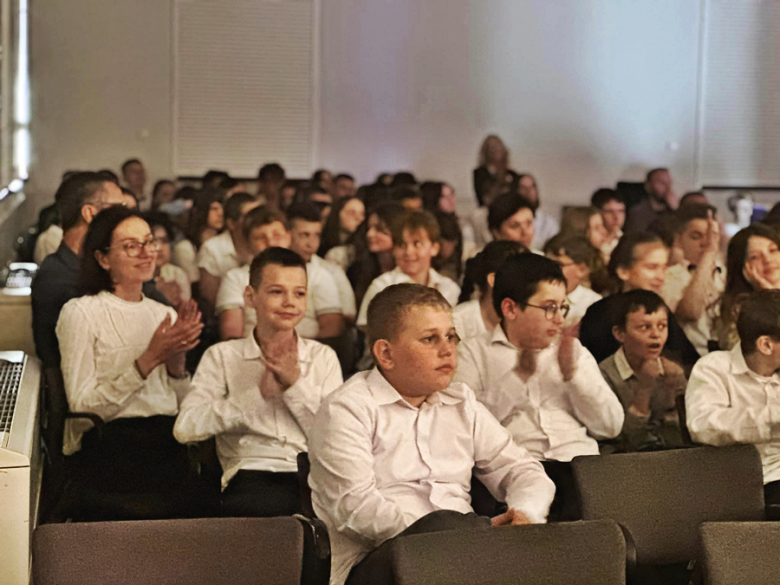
(80, 197)
(660, 200)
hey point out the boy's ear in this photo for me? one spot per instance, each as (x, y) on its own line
(765, 345)
(435, 249)
(383, 354)
(509, 309)
(622, 273)
(619, 334)
(491, 279)
(249, 295)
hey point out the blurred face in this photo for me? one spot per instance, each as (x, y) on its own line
(529, 328)
(614, 214)
(648, 271)
(447, 203)
(378, 236)
(129, 201)
(326, 181)
(352, 215)
(165, 193)
(573, 272)
(130, 237)
(280, 298)
(216, 218)
(518, 228)
(645, 334)
(693, 240)
(422, 359)
(597, 233)
(527, 189)
(495, 150)
(414, 255)
(135, 175)
(305, 238)
(763, 255)
(236, 227)
(164, 254)
(412, 203)
(744, 211)
(267, 236)
(660, 185)
(345, 188)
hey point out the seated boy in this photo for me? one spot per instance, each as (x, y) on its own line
(511, 217)
(259, 395)
(734, 396)
(392, 451)
(646, 383)
(544, 387)
(575, 255)
(265, 227)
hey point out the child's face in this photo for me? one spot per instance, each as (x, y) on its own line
(648, 272)
(280, 298)
(530, 328)
(269, 235)
(573, 272)
(645, 334)
(305, 238)
(414, 256)
(164, 255)
(378, 236)
(518, 228)
(693, 240)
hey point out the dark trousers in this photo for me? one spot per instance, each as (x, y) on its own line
(566, 504)
(261, 494)
(377, 567)
(772, 493)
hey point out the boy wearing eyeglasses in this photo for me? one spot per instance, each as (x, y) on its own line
(544, 387)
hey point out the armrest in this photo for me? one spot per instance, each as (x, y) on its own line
(630, 549)
(316, 551)
(96, 420)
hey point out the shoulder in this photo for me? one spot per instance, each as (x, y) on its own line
(715, 362)
(465, 308)
(353, 396)
(238, 275)
(317, 352)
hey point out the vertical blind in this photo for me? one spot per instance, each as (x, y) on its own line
(244, 85)
(740, 97)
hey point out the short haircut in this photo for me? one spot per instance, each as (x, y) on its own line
(488, 261)
(576, 247)
(159, 185)
(229, 183)
(344, 177)
(405, 192)
(127, 163)
(759, 315)
(387, 309)
(92, 276)
(651, 172)
(108, 173)
(519, 276)
(235, 203)
(603, 196)
(261, 216)
(305, 211)
(505, 206)
(403, 178)
(686, 214)
(273, 255)
(623, 254)
(158, 218)
(686, 199)
(212, 178)
(631, 301)
(75, 192)
(414, 221)
(271, 172)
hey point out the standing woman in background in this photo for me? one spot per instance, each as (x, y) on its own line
(493, 166)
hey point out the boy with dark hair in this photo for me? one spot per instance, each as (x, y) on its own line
(511, 217)
(258, 395)
(344, 186)
(393, 450)
(734, 396)
(270, 179)
(612, 205)
(576, 256)
(646, 383)
(408, 196)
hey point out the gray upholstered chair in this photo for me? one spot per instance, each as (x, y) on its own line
(584, 553)
(740, 553)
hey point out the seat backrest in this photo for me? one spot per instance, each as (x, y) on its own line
(661, 498)
(566, 552)
(740, 553)
(54, 410)
(208, 551)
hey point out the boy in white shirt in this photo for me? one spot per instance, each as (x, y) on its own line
(734, 396)
(259, 395)
(392, 451)
(265, 227)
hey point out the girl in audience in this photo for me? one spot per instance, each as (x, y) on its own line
(493, 165)
(344, 220)
(478, 316)
(373, 246)
(206, 221)
(585, 221)
(123, 359)
(449, 260)
(438, 197)
(170, 280)
(752, 263)
(164, 191)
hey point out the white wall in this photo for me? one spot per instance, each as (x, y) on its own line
(585, 92)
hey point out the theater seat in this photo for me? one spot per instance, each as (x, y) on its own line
(740, 553)
(544, 554)
(214, 551)
(660, 499)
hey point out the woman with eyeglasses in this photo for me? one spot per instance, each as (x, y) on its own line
(123, 359)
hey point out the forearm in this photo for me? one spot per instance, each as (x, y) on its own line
(198, 421)
(695, 297)
(595, 404)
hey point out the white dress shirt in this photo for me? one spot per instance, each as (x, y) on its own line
(172, 273)
(217, 255)
(341, 256)
(185, 256)
(579, 300)
(47, 243)
(322, 298)
(100, 338)
(609, 246)
(550, 418)
(253, 432)
(468, 320)
(379, 464)
(446, 286)
(726, 402)
(346, 294)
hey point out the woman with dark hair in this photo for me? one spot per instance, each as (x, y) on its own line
(169, 279)
(206, 221)
(449, 260)
(438, 197)
(163, 192)
(752, 263)
(123, 359)
(343, 221)
(493, 166)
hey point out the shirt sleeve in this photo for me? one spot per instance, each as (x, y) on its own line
(325, 295)
(342, 474)
(346, 294)
(510, 473)
(208, 410)
(185, 257)
(231, 292)
(207, 260)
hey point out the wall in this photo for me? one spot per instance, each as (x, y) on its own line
(583, 92)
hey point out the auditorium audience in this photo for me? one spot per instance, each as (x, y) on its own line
(493, 168)
(347, 215)
(129, 199)
(449, 261)
(344, 186)
(163, 193)
(322, 180)
(511, 217)
(408, 196)
(741, 206)
(659, 199)
(258, 395)
(270, 179)
(123, 359)
(646, 383)
(732, 396)
(613, 211)
(134, 178)
(586, 222)
(206, 220)
(545, 225)
(394, 449)
(169, 279)
(438, 197)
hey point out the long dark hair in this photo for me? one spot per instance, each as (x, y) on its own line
(331, 231)
(450, 231)
(488, 261)
(93, 277)
(200, 213)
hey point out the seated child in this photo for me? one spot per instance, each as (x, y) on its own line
(734, 396)
(258, 395)
(393, 450)
(646, 383)
(575, 255)
(265, 227)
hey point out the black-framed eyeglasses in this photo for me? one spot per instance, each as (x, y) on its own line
(133, 247)
(551, 310)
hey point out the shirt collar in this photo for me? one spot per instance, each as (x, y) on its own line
(624, 369)
(384, 393)
(500, 337)
(251, 350)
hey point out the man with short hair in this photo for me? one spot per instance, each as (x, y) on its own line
(511, 217)
(344, 186)
(613, 211)
(134, 176)
(660, 199)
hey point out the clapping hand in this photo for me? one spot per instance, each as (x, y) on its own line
(568, 354)
(511, 517)
(171, 342)
(282, 366)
